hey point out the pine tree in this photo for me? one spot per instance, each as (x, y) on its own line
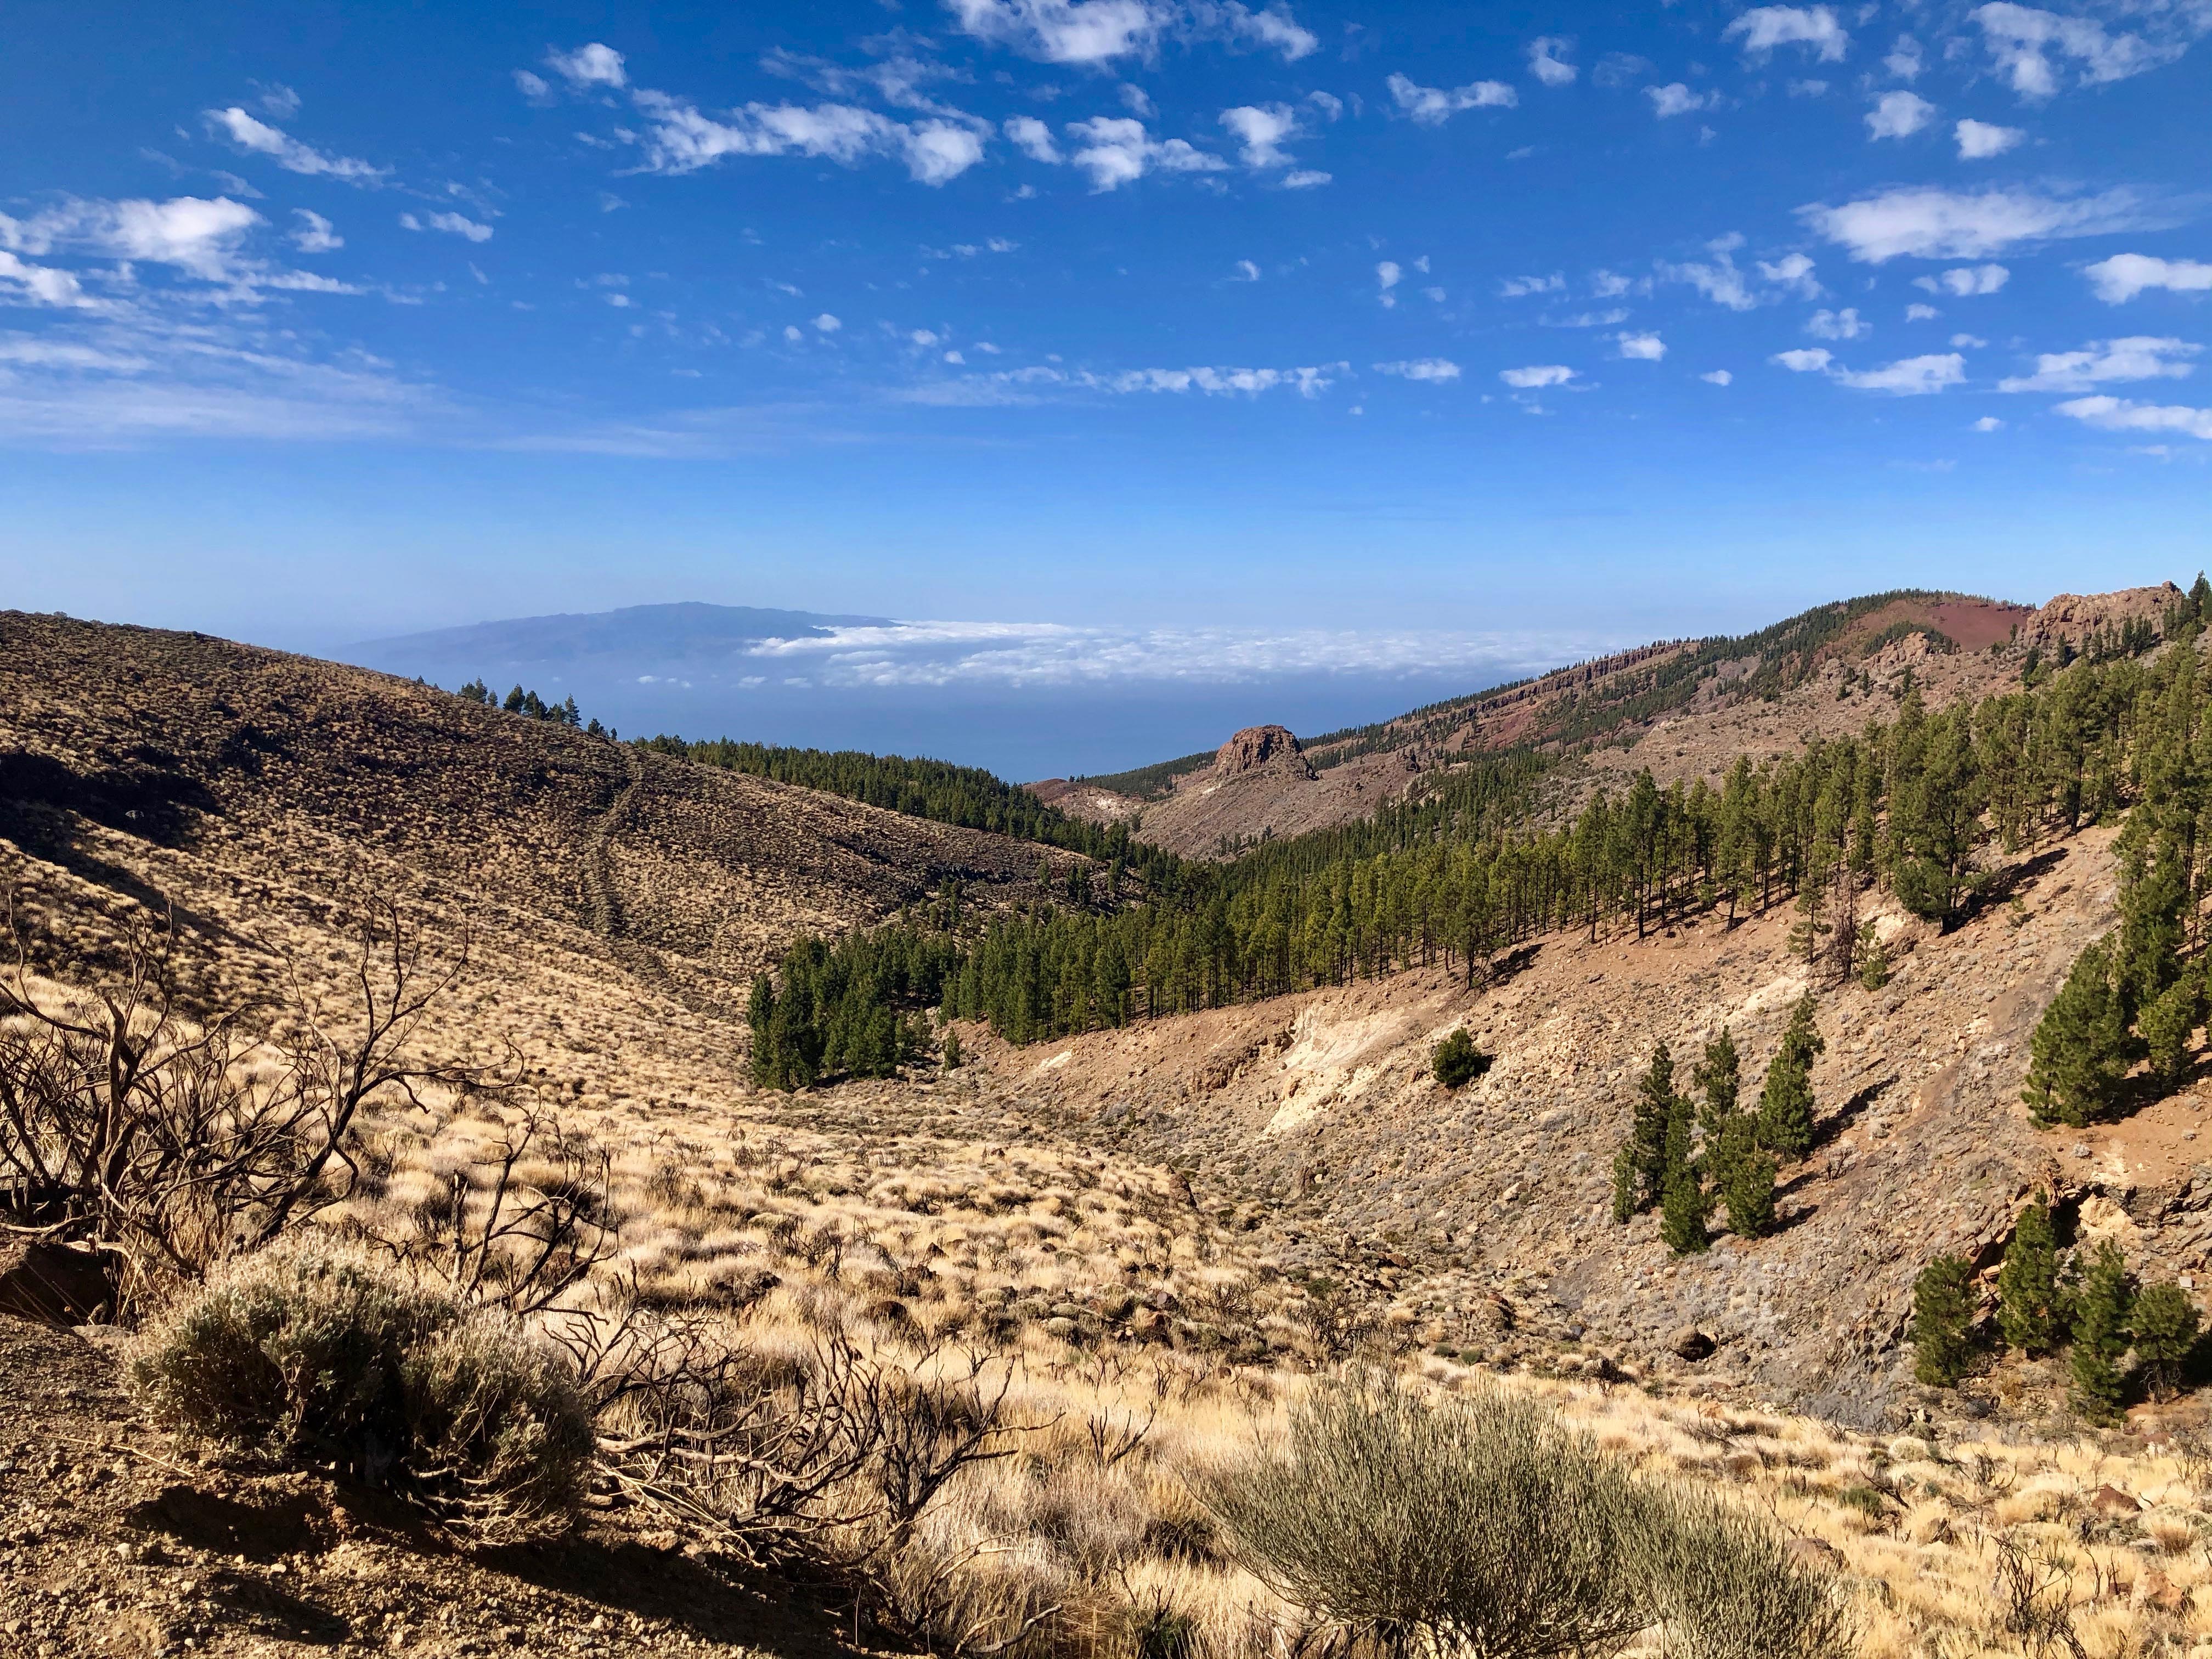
(2030, 1311)
(2166, 1324)
(1745, 1180)
(1719, 1078)
(1640, 1168)
(953, 1057)
(1785, 1105)
(1943, 1322)
(2100, 1335)
(1682, 1203)
(2082, 1049)
(2166, 1025)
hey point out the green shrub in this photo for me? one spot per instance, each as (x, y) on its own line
(312, 1355)
(1457, 1061)
(1479, 1523)
(1726, 1587)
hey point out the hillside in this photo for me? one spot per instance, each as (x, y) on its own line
(613, 892)
(1679, 708)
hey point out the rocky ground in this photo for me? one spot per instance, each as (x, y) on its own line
(115, 1544)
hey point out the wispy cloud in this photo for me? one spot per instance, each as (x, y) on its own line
(1434, 106)
(259, 138)
(1930, 222)
(2138, 357)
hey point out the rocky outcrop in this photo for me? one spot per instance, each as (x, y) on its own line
(1272, 747)
(54, 1285)
(2074, 616)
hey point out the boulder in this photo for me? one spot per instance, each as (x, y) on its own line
(55, 1284)
(2109, 1499)
(1693, 1344)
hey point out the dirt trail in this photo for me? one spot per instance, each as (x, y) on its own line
(603, 904)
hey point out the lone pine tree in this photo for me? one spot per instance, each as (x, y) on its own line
(1785, 1105)
(1639, 1169)
(1943, 1322)
(2082, 1049)
(2101, 1307)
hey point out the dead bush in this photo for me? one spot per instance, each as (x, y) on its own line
(313, 1354)
(126, 1125)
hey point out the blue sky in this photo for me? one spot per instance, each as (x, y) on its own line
(1426, 338)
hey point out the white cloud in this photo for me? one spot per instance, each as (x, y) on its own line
(1261, 128)
(1114, 150)
(2120, 278)
(1273, 29)
(1033, 138)
(1966, 282)
(938, 150)
(2119, 414)
(1422, 368)
(1763, 28)
(1040, 654)
(1674, 98)
(1720, 280)
(315, 233)
(2139, 357)
(1063, 31)
(1988, 423)
(1611, 284)
(1904, 59)
(1844, 324)
(1909, 377)
(682, 140)
(1548, 60)
(1968, 342)
(199, 235)
(826, 324)
(288, 153)
(45, 285)
(1642, 348)
(1246, 271)
(1793, 272)
(2023, 42)
(1980, 140)
(1434, 106)
(1027, 385)
(1305, 178)
(1717, 377)
(1515, 288)
(1928, 222)
(1805, 360)
(1899, 115)
(1916, 313)
(532, 87)
(453, 224)
(592, 65)
(1098, 32)
(1536, 376)
(1387, 277)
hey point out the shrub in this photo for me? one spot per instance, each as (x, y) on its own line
(1479, 1523)
(310, 1354)
(1942, 1316)
(1457, 1061)
(1727, 1587)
